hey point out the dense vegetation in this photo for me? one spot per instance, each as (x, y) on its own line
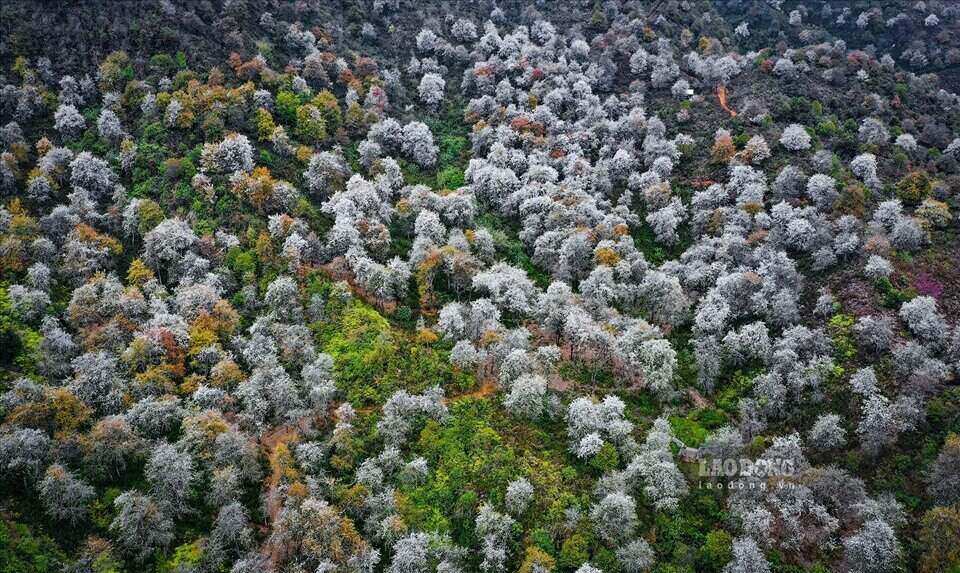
(553, 287)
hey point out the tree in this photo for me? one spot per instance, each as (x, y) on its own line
(907, 234)
(636, 556)
(92, 174)
(509, 288)
(495, 531)
(924, 320)
(318, 379)
(464, 355)
(795, 138)
(906, 142)
(111, 446)
(663, 298)
(553, 306)
(880, 424)
(665, 221)
(943, 478)
(664, 70)
(822, 190)
(657, 361)
(940, 537)
(401, 411)
(231, 535)
(873, 549)
(417, 143)
(234, 153)
(427, 41)
(269, 394)
(411, 554)
(873, 132)
(614, 517)
(789, 182)
(28, 304)
(785, 68)
(589, 422)
(527, 396)
(68, 121)
(140, 526)
(663, 484)
(725, 443)
(827, 433)
(877, 268)
(165, 246)
(24, 452)
(757, 149)
(638, 61)
(109, 128)
(283, 299)
(864, 166)
(97, 381)
(864, 382)
(428, 225)
(225, 487)
(321, 534)
(875, 334)
(170, 473)
(252, 563)
(64, 497)
(747, 558)
(431, 89)
(519, 495)
(464, 30)
(326, 174)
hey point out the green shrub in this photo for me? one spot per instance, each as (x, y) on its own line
(914, 187)
(450, 178)
(717, 550)
(286, 106)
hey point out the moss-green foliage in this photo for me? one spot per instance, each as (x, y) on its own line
(510, 248)
(23, 551)
(914, 187)
(10, 343)
(716, 551)
(162, 64)
(286, 106)
(185, 557)
(607, 459)
(729, 394)
(893, 297)
(452, 149)
(575, 551)
(373, 359)
(241, 261)
(470, 462)
(681, 534)
(450, 177)
(694, 428)
(311, 127)
(841, 332)
(657, 253)
(19, 343)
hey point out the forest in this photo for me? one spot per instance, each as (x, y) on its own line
(492, 286)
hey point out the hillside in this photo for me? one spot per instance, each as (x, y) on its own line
(526, 286)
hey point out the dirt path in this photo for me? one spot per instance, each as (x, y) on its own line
(487, 388)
